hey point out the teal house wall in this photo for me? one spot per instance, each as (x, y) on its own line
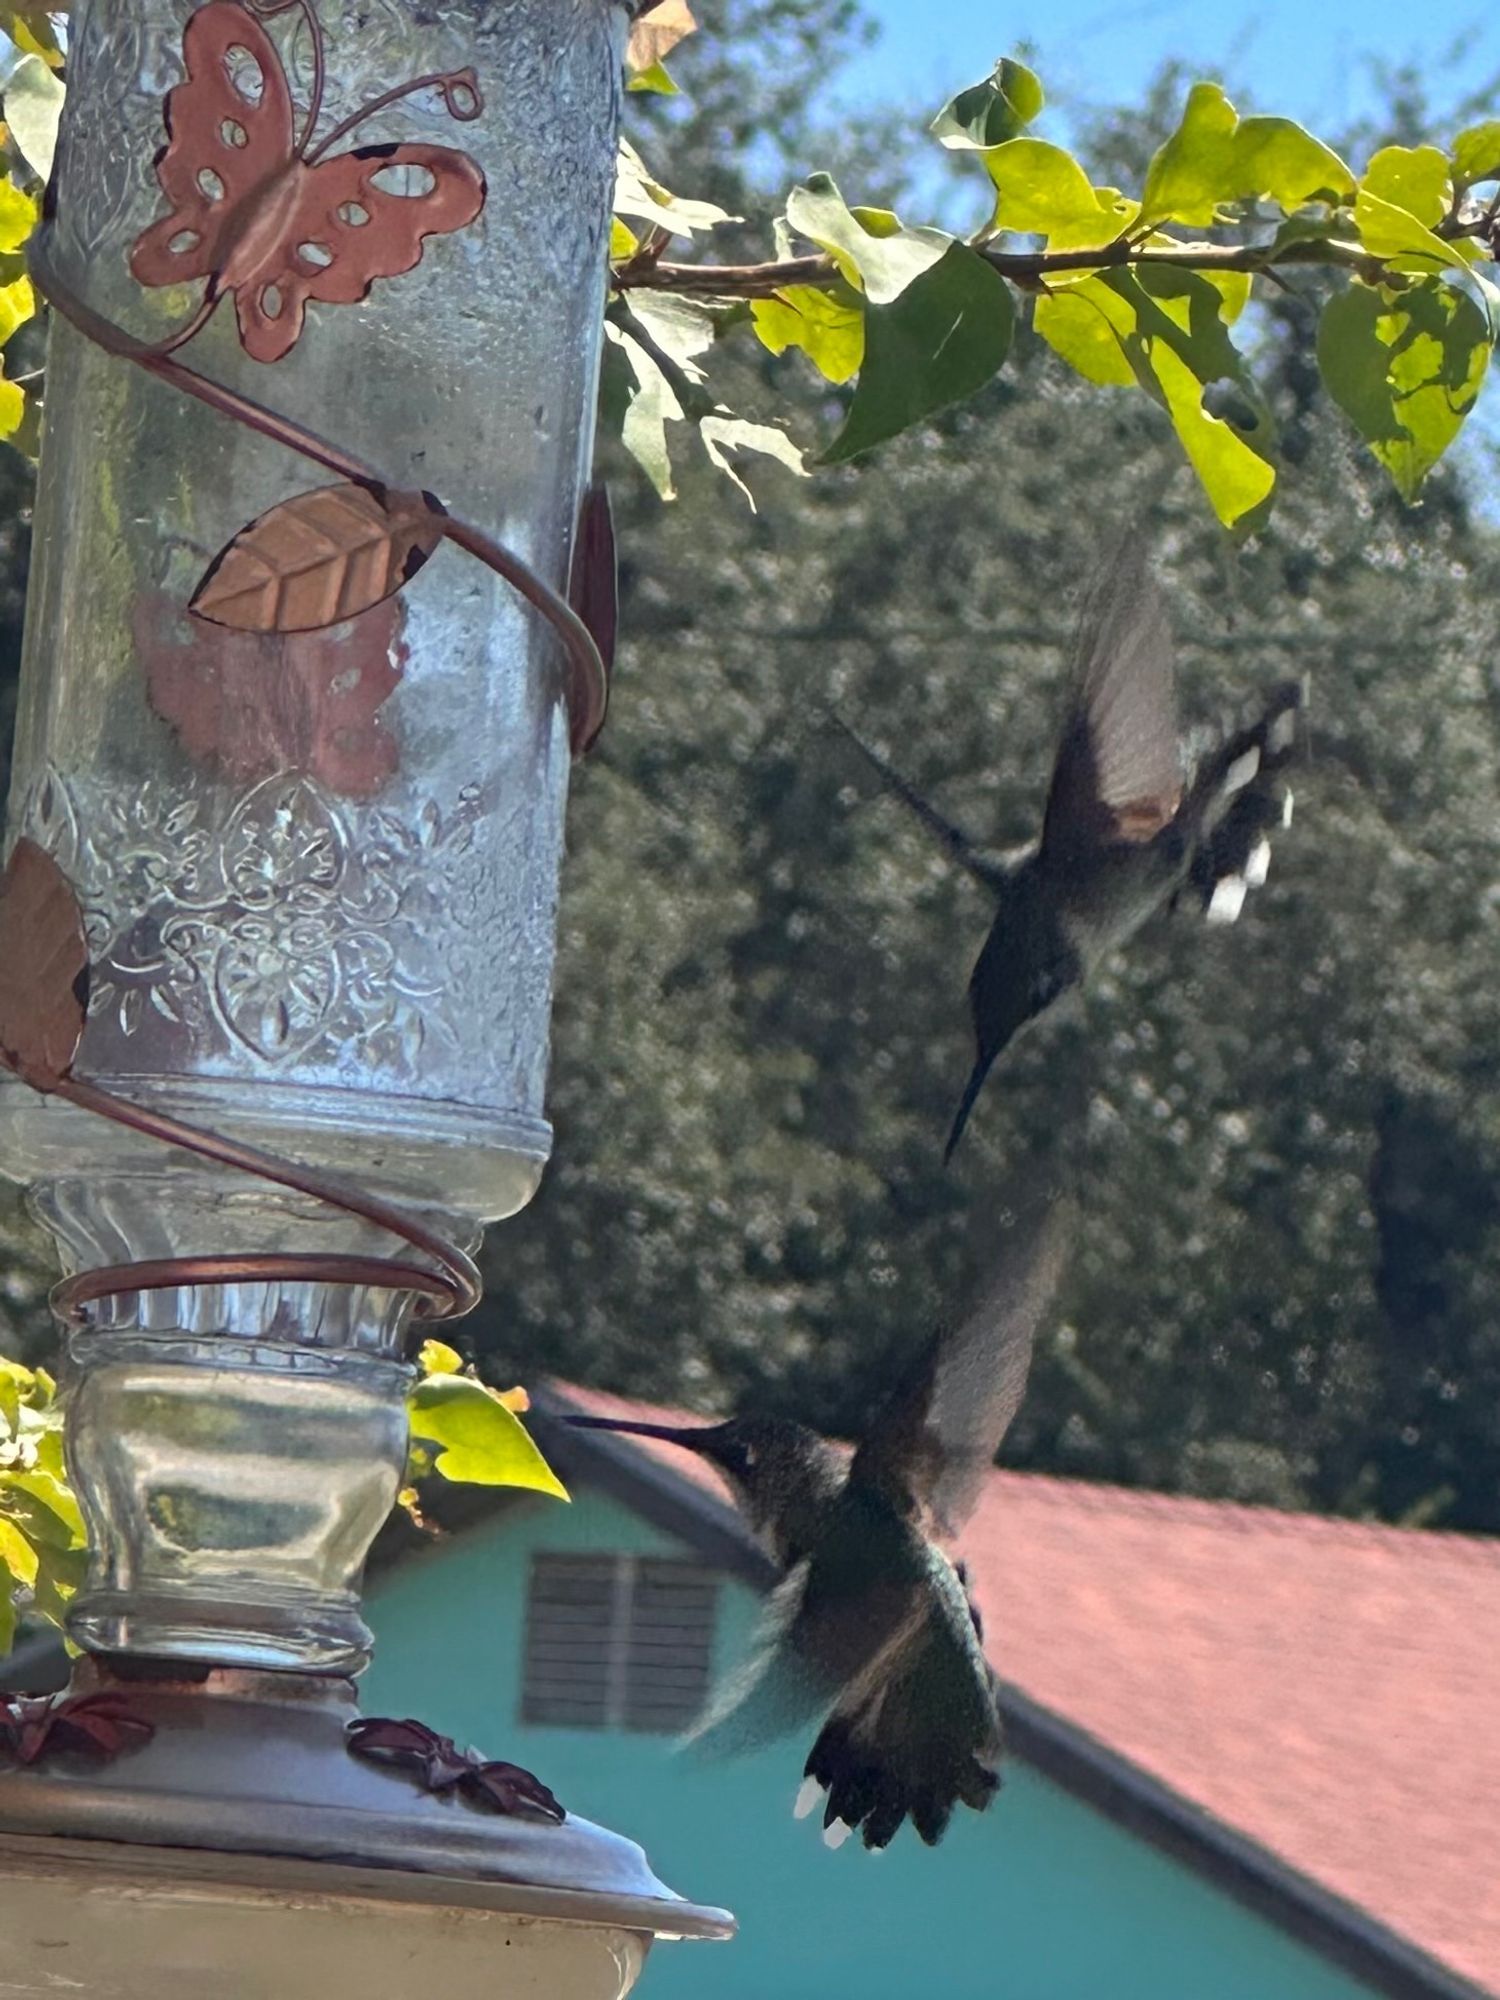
(1041, 1898)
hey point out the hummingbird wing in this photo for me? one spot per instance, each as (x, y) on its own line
(936, 1438)
(829, 1619)
(1118, 773)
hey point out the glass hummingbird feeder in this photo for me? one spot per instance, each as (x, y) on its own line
(314, 626)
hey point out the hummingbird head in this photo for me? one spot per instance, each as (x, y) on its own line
(772, 1463)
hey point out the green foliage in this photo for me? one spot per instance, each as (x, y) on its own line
(471, 1434)
(1121, 286)
(42, 1543)
(1405, 366)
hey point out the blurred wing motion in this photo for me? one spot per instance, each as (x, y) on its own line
(1118, 775)
(936, 1438)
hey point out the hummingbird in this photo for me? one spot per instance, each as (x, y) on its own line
(1122, 835)
(871, 1627)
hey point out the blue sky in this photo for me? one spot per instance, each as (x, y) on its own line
(1299, 57)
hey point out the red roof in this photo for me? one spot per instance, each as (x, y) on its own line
(1330, 1689)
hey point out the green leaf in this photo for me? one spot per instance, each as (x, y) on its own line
(44, 1507)
(990, 112)
(650, 408)
(1476, 153)
(829, 329)
(723, 434)
(1169, 331)
(437, 1358)
(681, 328)
(17, 1552)
(17, 216)
(639, 195)
(1074, 324)
(654, 78)
(1404, 191)
(7, 1614)
(871, 249)
(479, 1441)
(1216, 158)
(1042, 191)
(1411, 177)
(938, 342)
(59, 1577)
(1405, 367)
(32, 103)
(17, 305)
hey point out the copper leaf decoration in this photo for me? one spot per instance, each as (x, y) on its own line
(316, 560)
(102, 1725)
(443, 1767)
(44, 968)
(593, 587)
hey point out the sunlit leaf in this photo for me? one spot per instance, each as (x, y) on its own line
(45, 1506)
(7, 1613)
(1476, 153)
(638, 195)
(1075, 324)
(1169, 331)
(871, 248)
(33, 102)
(939, 341)
(655, 80)
(16, 1552)
(17, 216)
(1406, 368)
(829, 329)
(650, 406)
(479, 1441)
(17, 305)
(435, 1357)
(991, 112)
(623, 241)
(1412, 177)
(723, 434)
(681, 328)
(1040, 190)
(1404, 191)
(29, 25)
(1215, 158)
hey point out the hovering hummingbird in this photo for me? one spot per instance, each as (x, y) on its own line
(871, 1627)
(1122, 836)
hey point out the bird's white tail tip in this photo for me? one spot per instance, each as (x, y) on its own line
(809, 1798)
(834, 1836)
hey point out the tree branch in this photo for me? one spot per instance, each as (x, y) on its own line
(1027, 268)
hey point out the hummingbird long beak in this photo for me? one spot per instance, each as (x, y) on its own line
(690, 1436)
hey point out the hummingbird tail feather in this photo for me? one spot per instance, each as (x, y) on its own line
(1238, 801)
(870, 1788)
(948, 835)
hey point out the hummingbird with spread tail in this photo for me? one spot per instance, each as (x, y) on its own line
(871, 1629)
(1123, 835)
